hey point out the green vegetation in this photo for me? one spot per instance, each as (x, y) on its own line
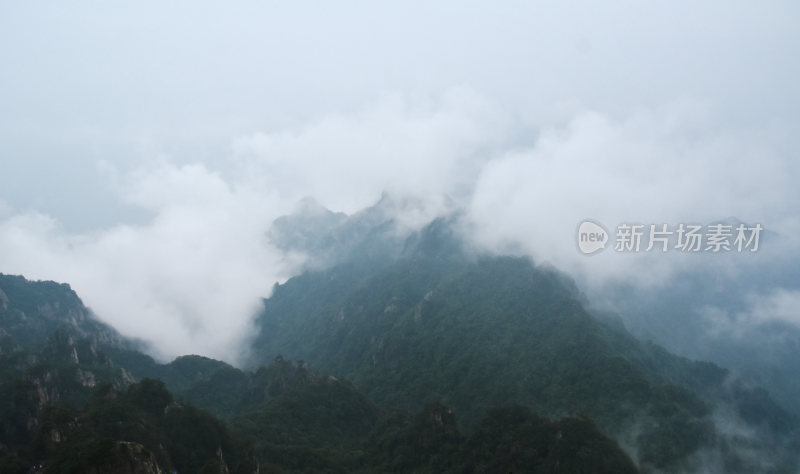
(174, 436)
(480, 332)
(441, 361)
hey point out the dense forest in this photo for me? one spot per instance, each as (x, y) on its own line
(75, 402)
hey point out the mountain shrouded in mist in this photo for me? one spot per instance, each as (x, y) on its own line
(439, 322)
(347, 237)
(439, 358)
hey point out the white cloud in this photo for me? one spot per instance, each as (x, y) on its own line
(780, 305)
(662, 166)
(190, 278)
(187, 282)
(428, 150)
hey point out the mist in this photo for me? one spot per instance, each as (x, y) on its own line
(146, 151)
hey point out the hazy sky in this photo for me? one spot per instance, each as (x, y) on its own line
(145, 149)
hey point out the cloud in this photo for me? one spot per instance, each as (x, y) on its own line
(148, 151)
(670, 165)
(780, 305)
(189, 281)
(431, 150)
(190, 277)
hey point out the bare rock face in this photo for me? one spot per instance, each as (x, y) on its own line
(86, 378)
(3, 300)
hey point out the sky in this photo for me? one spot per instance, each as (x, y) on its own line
(146, 148)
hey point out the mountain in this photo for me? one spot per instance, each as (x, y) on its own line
(30, 313)
(394, 351)
(368, 236)
(66, 404)
(141, 425)
(507, 439)
(434, 321)
(79, 398)
(735, 310)
(299, 420)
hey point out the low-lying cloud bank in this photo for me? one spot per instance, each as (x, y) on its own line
(186, 282)
(190, 278)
